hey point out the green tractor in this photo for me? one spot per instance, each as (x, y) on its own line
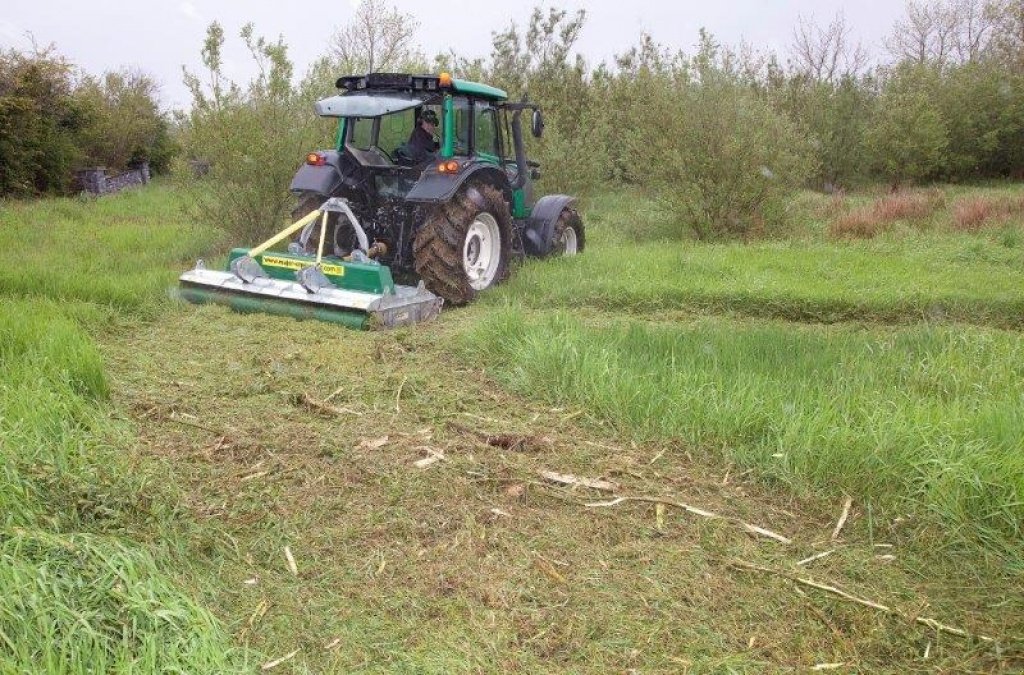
(453, 211)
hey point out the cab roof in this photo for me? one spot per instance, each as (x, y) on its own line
(404, 82)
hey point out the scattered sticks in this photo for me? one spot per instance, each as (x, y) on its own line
(842, 518)
(291, 560)
(816, 556)
(811, 583)
(753, 529)
(276, 662)
(323, 407)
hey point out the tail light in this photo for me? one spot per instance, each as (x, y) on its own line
(316, 159)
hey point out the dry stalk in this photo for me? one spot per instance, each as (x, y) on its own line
(753, 529)
(323, 408)
(276, 662)
(842, 518)
(864, 602)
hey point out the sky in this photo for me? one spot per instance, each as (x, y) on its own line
(159, 37)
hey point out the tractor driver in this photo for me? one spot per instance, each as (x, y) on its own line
(422, 145)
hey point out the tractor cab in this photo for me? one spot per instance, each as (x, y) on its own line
(377, 115)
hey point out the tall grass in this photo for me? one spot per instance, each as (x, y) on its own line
(922, 418)
(74, 597)
(122, 250)
(89, 604)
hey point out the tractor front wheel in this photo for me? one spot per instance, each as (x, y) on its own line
(465, 244)
(569, 236)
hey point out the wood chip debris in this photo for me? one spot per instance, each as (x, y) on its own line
(752, 529)
(549, 571)
(333, 644)
(828, 666)
(842, 518)
(373, 443)
(574, 481)
(432, 457)
(291, 560)
(276, 662)
(864, 602)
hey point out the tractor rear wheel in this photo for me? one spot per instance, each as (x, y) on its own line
(464, 246)
(570, 235)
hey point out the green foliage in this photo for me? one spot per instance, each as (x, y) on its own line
(65, 248)
(253, 136)
(39, 120)
(713, 153)
(74, 597)
(537, 61)
(125, 124)
(908, 136)
(87, 604)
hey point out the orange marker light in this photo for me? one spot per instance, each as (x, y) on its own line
(316, 159)
(451, 166)
(445, 79)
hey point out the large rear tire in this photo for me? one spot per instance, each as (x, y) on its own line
(464, 246)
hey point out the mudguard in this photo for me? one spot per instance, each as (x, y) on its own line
(434, 186)
(538, 237)
(320, 179)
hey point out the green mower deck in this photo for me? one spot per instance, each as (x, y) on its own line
(359, 295)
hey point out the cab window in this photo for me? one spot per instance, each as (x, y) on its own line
(485, 129)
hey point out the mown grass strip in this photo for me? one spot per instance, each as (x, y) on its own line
(974, 282)
(923, 418)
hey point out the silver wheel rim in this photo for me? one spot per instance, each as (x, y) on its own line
(568, 241)
(481, 251)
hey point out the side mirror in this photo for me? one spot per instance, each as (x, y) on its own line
(537, 124)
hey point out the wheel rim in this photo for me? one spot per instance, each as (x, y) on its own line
(568, 241)
(481, 251)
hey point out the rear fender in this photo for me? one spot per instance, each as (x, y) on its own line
(434, 187)
(320, 179)
(538, 237)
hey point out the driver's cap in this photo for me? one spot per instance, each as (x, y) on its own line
(429, 116)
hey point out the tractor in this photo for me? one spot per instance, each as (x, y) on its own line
(454, 216)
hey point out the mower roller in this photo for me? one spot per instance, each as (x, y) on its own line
(428, 177)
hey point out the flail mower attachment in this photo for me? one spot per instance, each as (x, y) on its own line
(356, 291)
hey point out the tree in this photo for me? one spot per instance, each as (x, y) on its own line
(714, 154)
(908, 136)
(379, 39)
(826, 54)
(253, 135)
(943, 31)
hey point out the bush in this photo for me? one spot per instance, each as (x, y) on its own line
(125, 123)
(711, 150)
(39, 122)
(253, 138)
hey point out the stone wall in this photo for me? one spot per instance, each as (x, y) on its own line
(95, 180)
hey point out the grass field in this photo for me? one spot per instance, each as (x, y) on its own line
(159, 460)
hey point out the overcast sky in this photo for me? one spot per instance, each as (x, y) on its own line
(160, 37)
